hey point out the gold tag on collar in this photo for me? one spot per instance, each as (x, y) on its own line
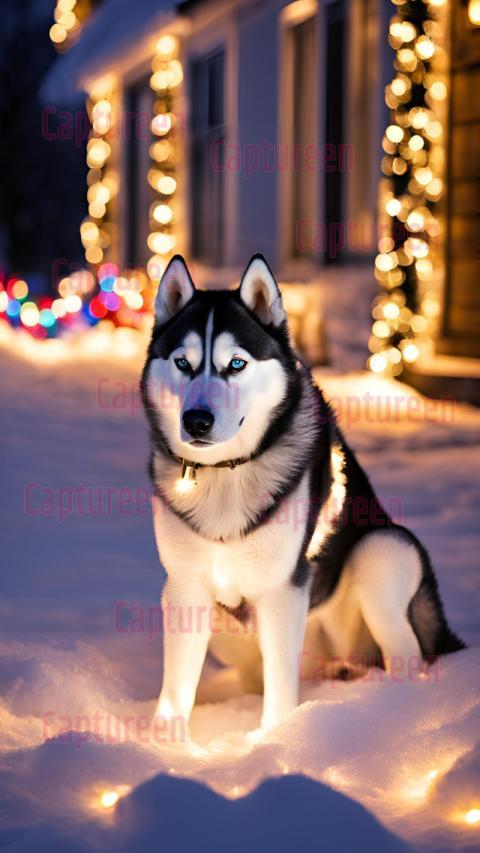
(188, 478)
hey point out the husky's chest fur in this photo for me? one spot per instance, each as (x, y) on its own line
(235, 569)
(243, 528)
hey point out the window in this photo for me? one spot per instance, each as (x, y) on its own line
(207, 153)
(461, 320)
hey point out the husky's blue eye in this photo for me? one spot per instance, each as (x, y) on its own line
(237, 364)
(182, 363)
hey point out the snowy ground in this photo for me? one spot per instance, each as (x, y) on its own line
(386, 765)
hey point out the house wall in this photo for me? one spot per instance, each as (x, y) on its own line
(460, 332)
(265, 110)
(258, 118)
(259, 109)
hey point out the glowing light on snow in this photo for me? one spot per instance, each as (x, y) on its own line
(334, 777)
(236, 792)
(421, 788)
(472, 817)
(109, 798)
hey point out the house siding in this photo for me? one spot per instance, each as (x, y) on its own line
(258, 104)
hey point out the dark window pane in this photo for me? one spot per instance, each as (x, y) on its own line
(208, 136)
(334, 118)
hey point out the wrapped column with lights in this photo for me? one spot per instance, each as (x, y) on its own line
(95, 230)
(413, 164)
(166, 77)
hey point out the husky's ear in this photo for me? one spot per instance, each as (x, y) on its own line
(259, 292)
(175, 290)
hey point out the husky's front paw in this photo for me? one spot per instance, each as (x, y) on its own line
(255, 736)
(272, 720)
(170, 726)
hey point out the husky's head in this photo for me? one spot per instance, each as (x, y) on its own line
(221, 378)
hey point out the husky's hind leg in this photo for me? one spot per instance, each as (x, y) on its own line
(387, 571)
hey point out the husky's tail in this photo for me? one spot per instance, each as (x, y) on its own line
(449, 642)
(426, 613)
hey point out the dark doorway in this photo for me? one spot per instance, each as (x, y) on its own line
(336, 40)
(304, 130)
(207, 156)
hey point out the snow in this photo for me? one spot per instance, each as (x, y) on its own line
(376, 764)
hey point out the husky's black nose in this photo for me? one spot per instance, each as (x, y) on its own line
(197, 422)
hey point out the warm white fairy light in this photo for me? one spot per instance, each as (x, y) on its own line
(473, 12)
(413, 145)
(69, 16)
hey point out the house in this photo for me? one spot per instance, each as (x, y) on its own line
(226, 127)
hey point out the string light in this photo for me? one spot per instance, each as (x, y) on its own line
(473, 12)
(69, 16)
(419, 788)
(96, 229)
(412, 165)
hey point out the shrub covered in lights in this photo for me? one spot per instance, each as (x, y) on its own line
(413, 164)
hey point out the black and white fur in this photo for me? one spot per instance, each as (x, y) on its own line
(336, 588)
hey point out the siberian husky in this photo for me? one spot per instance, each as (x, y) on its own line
(242, 439)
